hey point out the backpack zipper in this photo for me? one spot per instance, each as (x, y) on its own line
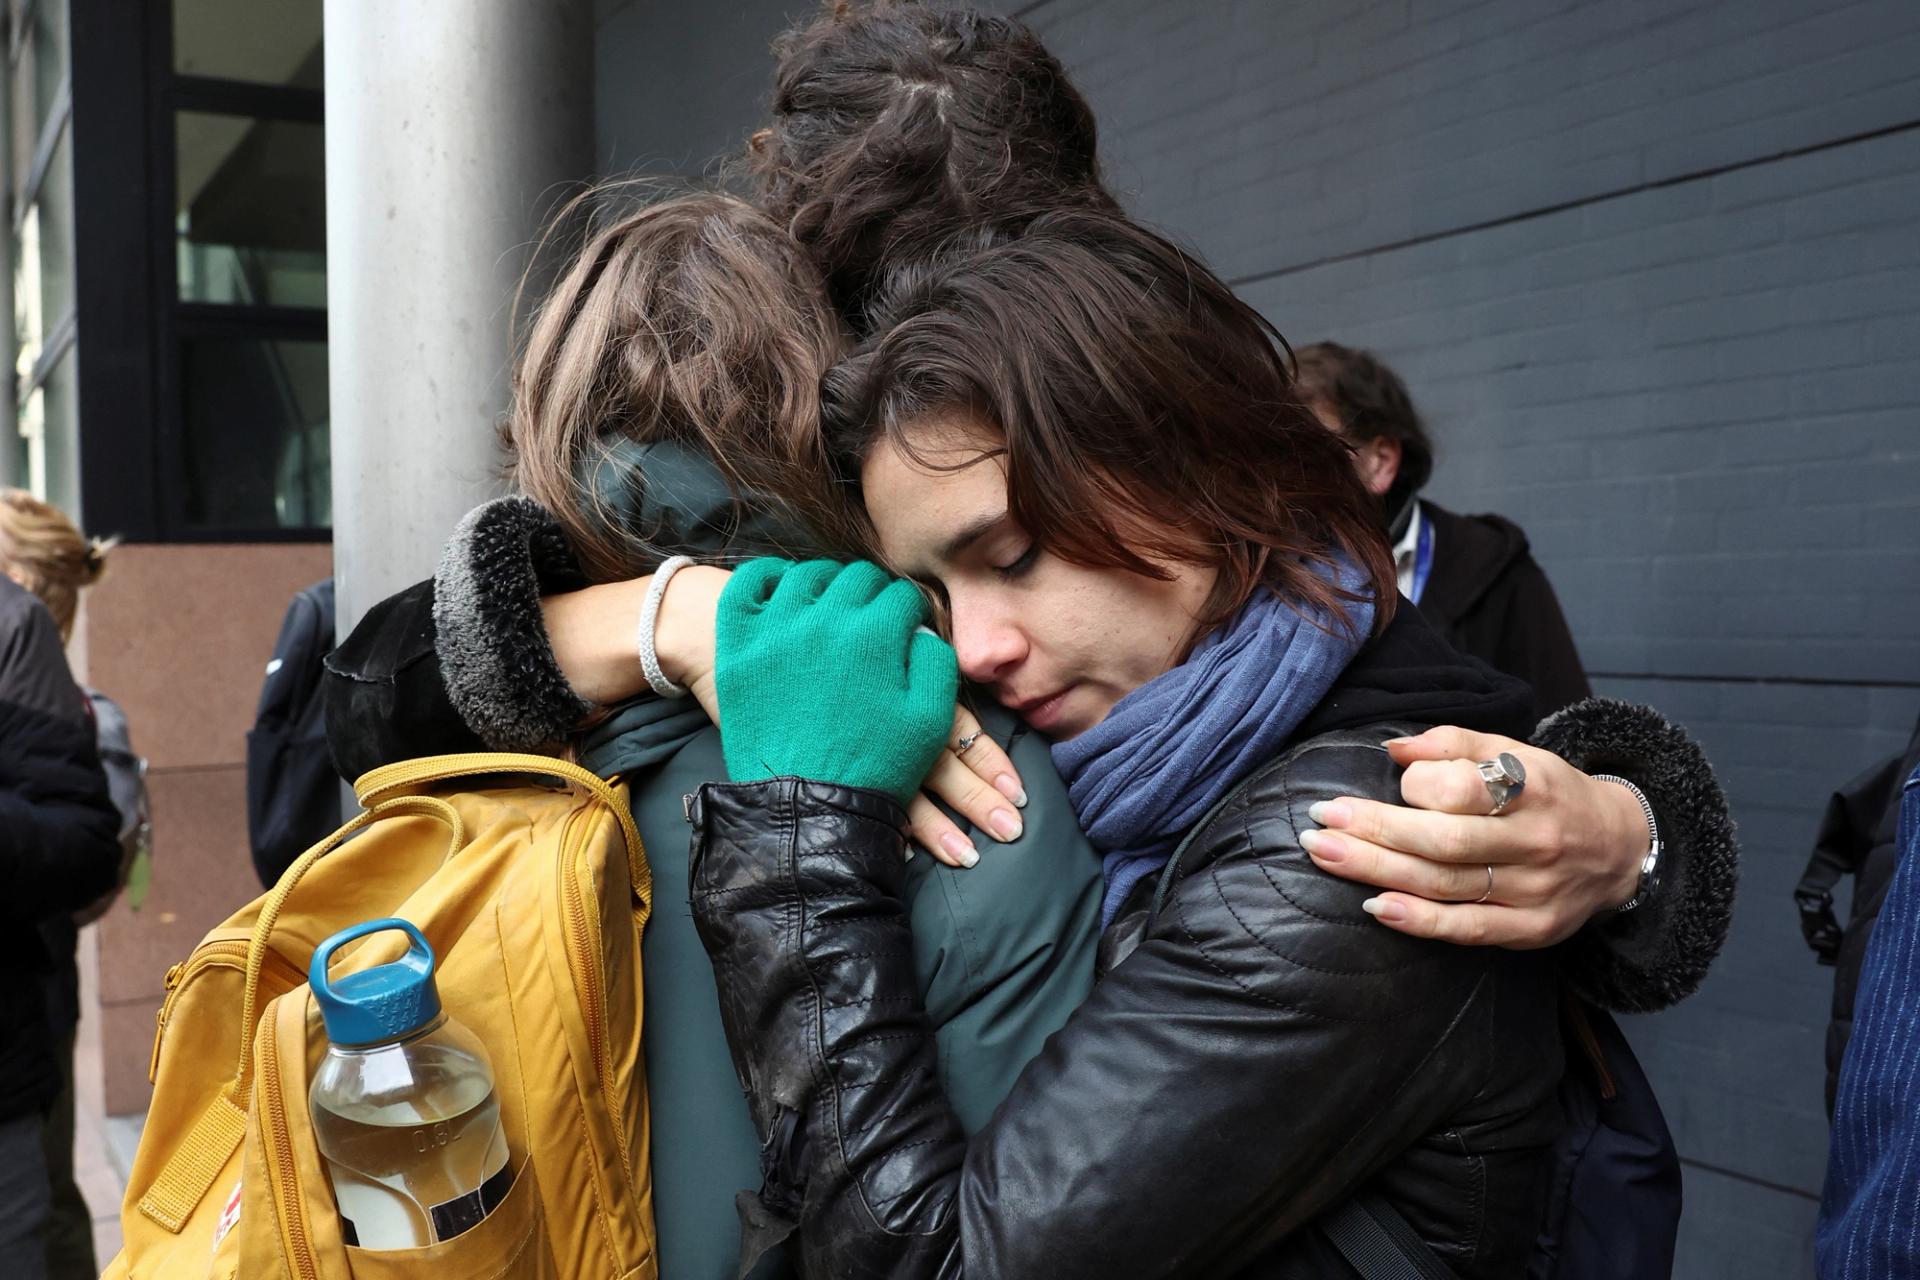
(293, 1223)
(583, 937)
(227, 953)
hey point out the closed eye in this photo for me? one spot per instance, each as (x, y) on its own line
(1020, 564)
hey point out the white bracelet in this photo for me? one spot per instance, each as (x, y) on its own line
(649, 618)
(1649, 865)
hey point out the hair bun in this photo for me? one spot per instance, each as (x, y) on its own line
(95, 558)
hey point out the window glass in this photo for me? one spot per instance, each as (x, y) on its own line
(24, 122)
(255, 419)
(263, 41)
(58, 473)
(250, 225)
(55, 218)
(29, 326)
(49, 439)
(49, 53)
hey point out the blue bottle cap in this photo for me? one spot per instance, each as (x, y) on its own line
(386, 1002)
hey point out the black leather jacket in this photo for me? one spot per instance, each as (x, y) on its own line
(1264, 1051)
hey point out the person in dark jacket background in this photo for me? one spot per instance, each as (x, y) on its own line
(1473, 577)
(43, 550)
(59, 851)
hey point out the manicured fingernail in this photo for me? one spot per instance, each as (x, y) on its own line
(1009, 786)
(1394, 742)
(1323, 845)
(1329, 813)
(1005, 824)
(1383, 909)
(959, 848)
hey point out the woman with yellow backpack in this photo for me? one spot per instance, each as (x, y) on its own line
(1007, 946)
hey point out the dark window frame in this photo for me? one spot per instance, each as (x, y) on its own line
(132, 322)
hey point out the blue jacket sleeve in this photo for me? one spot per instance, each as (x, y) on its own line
(1870, 1214)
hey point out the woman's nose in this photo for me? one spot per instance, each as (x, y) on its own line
(988, 649)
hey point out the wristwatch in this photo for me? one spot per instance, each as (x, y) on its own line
(1649, 865)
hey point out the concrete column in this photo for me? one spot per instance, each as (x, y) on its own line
(453, 129)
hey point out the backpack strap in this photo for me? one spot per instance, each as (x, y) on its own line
(1377, 1242)
(1838, 851)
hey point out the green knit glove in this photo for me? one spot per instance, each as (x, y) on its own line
(824, 671)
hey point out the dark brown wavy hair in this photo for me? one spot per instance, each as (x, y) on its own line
(897, 124)
(692, 319)
(1146, 415)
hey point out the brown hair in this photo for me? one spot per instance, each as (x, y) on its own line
(42, 549)
(1370, 401)
(898, 124)
(692, 319)
(1146, 413)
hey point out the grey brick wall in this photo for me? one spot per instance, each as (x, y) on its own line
(1653, 273)
(1652, 269)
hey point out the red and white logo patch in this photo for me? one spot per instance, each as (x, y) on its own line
(228, 1217)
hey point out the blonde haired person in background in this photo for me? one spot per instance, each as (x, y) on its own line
(42, 551)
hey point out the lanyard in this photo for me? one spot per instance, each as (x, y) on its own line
(1422, 560)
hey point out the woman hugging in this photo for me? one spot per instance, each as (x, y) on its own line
(982, 520)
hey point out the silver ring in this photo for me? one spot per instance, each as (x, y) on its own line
(1489, 893)
(960, 747)
(1505, 777)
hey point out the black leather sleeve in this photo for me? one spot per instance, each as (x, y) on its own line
(1657, 954)
(1265, 1049)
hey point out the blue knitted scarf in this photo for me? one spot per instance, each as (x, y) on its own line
(1171, 748)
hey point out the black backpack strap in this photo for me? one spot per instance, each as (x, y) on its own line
(1377, 1242)
(1847, 833)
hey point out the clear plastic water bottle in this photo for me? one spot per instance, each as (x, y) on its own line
(403, 1103)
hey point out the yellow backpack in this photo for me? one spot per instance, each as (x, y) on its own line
(533, 889)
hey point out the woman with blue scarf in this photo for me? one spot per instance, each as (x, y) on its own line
(1087, 450)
